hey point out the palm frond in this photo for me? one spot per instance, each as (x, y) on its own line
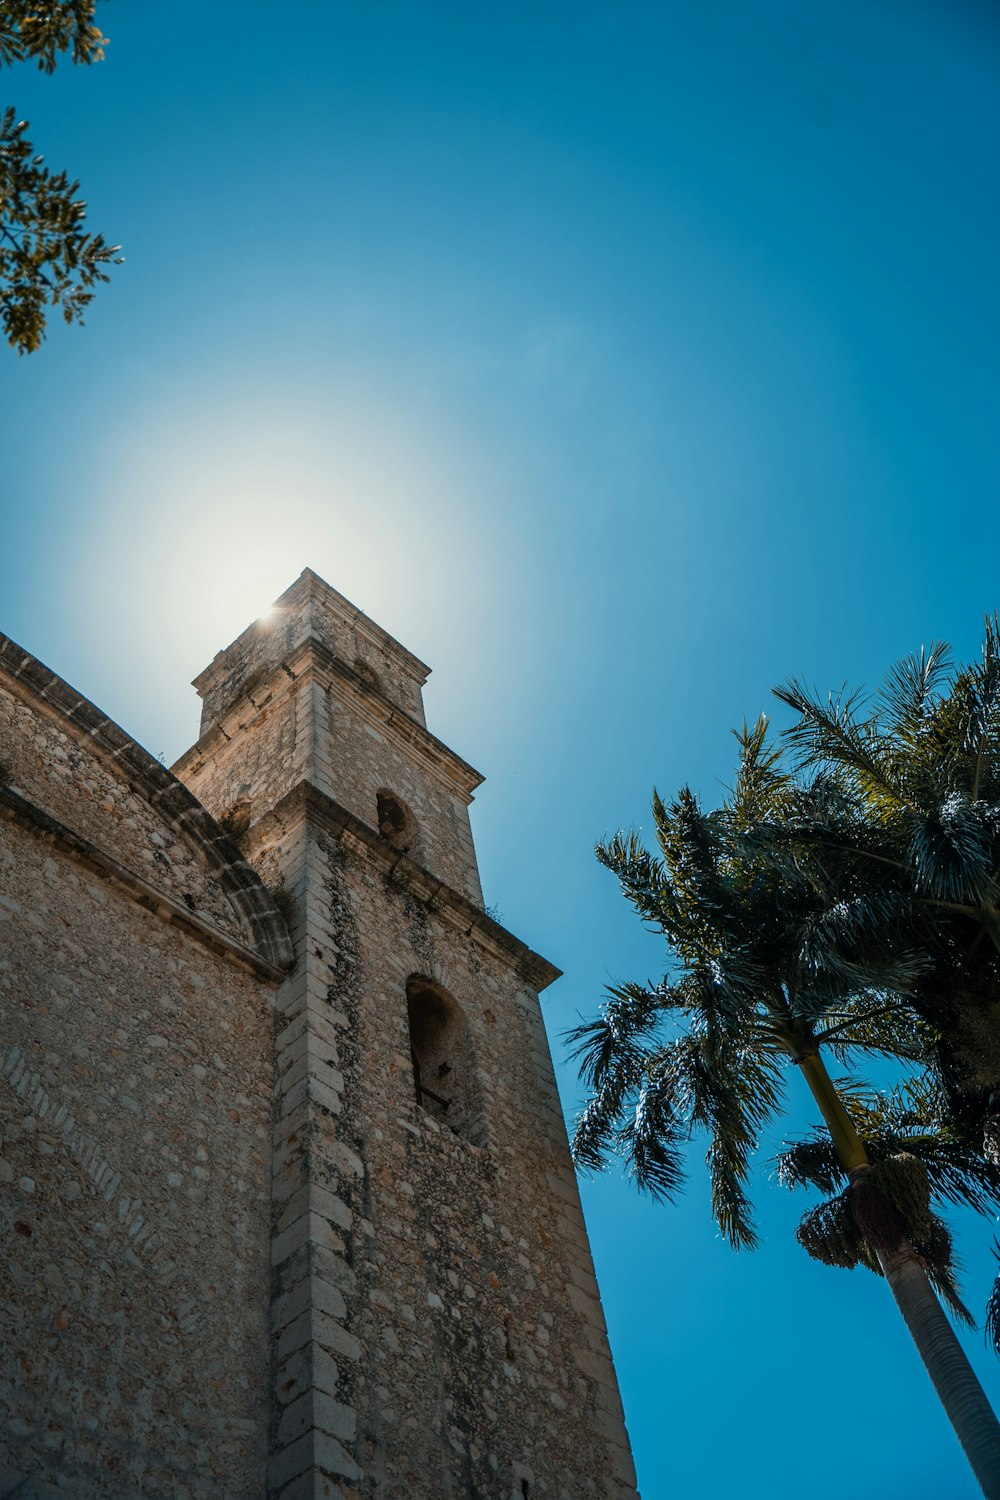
(699, 1081)
(812, 1162)
(880, 1023)
(593, 1134)
(762, 784)
(739, 1091)
(951, 848)
(690, 845)
(993, 1308)
(640, 875)
(833, 734)
(859, 941)
(613, 1051)
(911, 1119)
(651, 1141)
(984, 728)
(943, 1271)
(911, 688)
(617, 1039)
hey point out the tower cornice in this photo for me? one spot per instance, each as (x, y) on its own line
(306, 800)
(312, 659)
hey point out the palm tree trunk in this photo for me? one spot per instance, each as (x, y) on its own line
(954, 1379)
(958, 1388)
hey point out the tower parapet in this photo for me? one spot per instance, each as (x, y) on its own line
(310, 610)
(317, 693)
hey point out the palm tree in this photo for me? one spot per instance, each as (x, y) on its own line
(914, 776)
(771, 967)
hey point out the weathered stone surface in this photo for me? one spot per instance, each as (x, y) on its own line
(135, 1074)
(255, 1250)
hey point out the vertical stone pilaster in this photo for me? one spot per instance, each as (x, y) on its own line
(314, 1177)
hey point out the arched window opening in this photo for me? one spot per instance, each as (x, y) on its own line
(443, 1063)
(395, 821)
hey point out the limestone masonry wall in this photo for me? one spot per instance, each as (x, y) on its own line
(307, 729)
(285, 1194)
(52, 768)
(482, 1358)
(135, 1073)
(438, 1327)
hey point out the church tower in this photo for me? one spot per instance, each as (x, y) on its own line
(436, 1326)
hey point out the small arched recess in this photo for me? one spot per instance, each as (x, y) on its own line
(396, 823)
(367, 674)
(444, 1065)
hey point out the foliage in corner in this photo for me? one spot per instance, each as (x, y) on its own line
(47, 259)
(46, 256)
(26, 31)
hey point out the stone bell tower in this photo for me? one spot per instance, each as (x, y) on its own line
(436, 1325)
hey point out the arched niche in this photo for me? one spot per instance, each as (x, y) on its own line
(396, 823)
(441, 1052)
(367, 674)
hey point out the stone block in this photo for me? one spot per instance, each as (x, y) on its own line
(311, 1198)
(314, 1326)
(317, 1409)
(597, 1366)
(622, 1467)
(310, 1292)
(313, 1484)
(314, 1451)
(582, 1275)
(612, 1429)
(310, 1091)
(308, 1368)
(311, 1260)
(311, 1022)
(310, 1228)
(587, 1306)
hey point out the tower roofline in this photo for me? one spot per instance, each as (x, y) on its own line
(308, 587)
(355, 615)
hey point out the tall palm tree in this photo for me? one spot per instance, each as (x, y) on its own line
(914, 776)
(769, 972)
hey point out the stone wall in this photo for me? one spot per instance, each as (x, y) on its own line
(138, 965)
(470, 1349)
(58, 773)
(311, 719)
(332, 1252)
(135, 1072)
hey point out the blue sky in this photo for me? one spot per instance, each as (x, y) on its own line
(621, 361)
